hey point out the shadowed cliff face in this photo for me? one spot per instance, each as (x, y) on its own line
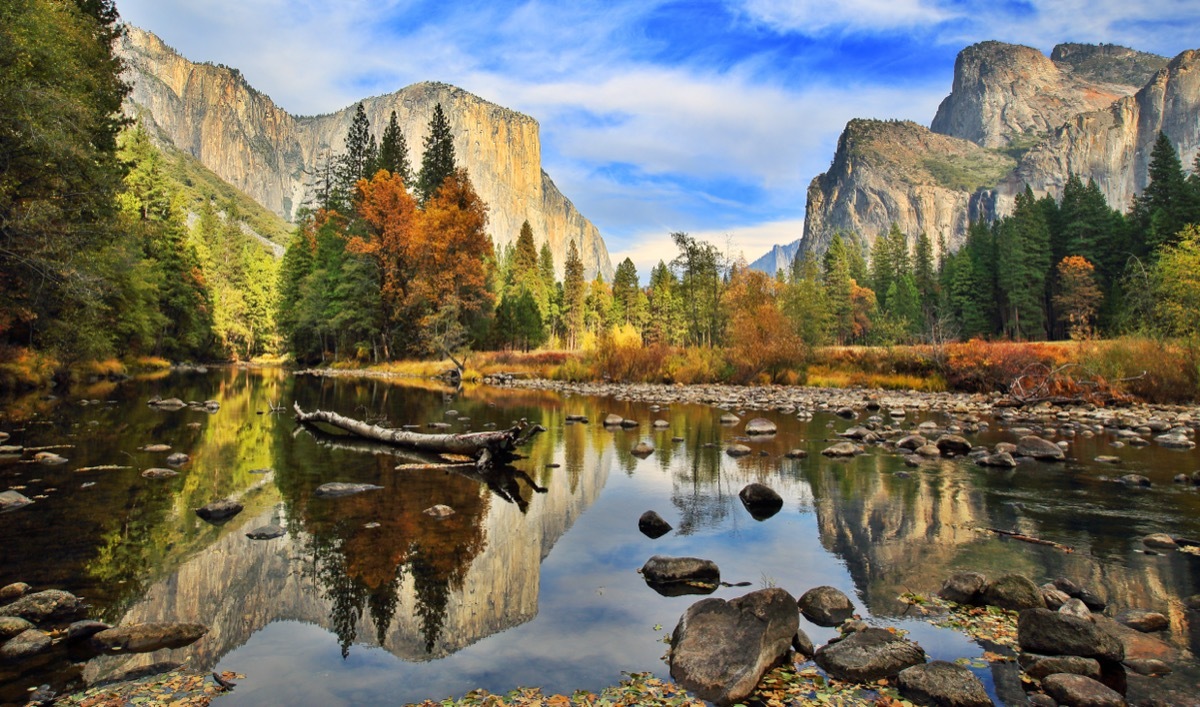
(240, 134)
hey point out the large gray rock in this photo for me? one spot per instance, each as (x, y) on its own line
(1014, 592)
(911, 442)
(999, 460)
(720, 650)
(825, 606)
(12, 500)
(337, 489)
(942, 684)
(1079, 691)
(144, 638)
(44, 606)
(24, 645)
(661, 569)
(868, 655)
(963, 587)
(760, 500)
(1038, 448)
(1055, 633)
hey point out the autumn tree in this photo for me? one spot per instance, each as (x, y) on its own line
(763, 340)
(390, 216)
(437, 162)
(1175, 281)
(1078, 296)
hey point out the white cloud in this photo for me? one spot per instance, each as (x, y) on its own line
(818, 16)
(750, 242)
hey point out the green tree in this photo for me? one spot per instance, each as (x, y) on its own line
(626, 305)
(60, 100)
(361, 155)
(393, 151)
(701, 270)
(805, 302)
(437, 162)
(665, 310)
(1166, 205)
(839, 288)
(1175, 280)
(574, 296)
(1023, 265)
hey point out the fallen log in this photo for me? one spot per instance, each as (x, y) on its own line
(1027, 538)
(486, 448)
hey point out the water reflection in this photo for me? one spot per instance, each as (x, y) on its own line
(475, 599)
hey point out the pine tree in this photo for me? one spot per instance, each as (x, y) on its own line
(358, 161)
(1166, 205)
(574, 296)
(839, 289)
(437, 163)
(393, 152)
(1023, 265)
(625, 291)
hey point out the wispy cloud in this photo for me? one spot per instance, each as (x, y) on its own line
(708, 117)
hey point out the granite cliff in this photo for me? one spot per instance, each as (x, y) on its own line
(212, 113)
(1014, 117)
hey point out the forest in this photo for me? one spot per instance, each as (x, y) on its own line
(103, 256)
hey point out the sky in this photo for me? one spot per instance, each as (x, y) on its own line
(699, 116)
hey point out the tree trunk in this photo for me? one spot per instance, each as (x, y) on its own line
(486, 448)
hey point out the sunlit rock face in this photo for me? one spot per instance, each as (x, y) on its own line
(419, 587)
(1014, 117)
(241, 135)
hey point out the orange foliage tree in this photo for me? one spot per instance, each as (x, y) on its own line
(1079, 296)
(761, 337)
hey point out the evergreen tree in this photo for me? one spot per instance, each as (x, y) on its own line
(1166, 205)
(701, 279)
(437, 163)
(359, 159)
(805, 302)
(625, 288)
(925, 278)
(1023, 265)
(839, 289)
(574, 296)
(551, 304)
(393, 152)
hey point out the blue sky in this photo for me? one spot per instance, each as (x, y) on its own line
(699, 116)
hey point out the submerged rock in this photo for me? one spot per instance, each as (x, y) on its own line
(144, 638)
(761, 426)
(12, 500)
(760, 500)
(217, 511)
(337, 489)
(642, 450)
(439, 511)
(943, 684)
(842, 449)
(720, 650)
(737, 450)
(266, 532)
(159, 473)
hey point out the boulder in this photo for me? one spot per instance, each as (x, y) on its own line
(145, 638)
(11, 626)
(1055, 633)
(797, 454)
(952, 445)
(652, 525)
(760, 500)
(660, 424)
(911, 442)
(929, 451)
(729, 419)
(1075, 607)
(869, 655)
(825, 606)
(1054, 597)
(761, 426)
(942, 684)
(612, 420)
(24, 645)
(737, 450)
(1142, 620)
(1038, 448)
(12, 500)
(662, 570)
(1148, 666)
(43, 606)
(720, 650)
(86, 628)
(12, 591)
(1014, 592)
(803, 645)
(629, 424)
(178, 458)
(642, 450)
(338, 489)
(1039, 666)
(963, 587)
(846, 412)
(218, 511)
(1080, 691)
(842, 449)
(266, 532)
(1000, 460)
(1135, 480)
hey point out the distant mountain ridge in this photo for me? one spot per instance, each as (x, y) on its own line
(210, 112)
(780, 257)
(1014, 117)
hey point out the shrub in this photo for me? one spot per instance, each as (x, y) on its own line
(696, 365)
(1153, 371)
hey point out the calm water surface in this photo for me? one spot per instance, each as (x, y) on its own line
(533, 581)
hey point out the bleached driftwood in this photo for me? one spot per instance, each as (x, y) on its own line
(486, 448)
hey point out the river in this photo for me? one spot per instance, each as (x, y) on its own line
(534, 579)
